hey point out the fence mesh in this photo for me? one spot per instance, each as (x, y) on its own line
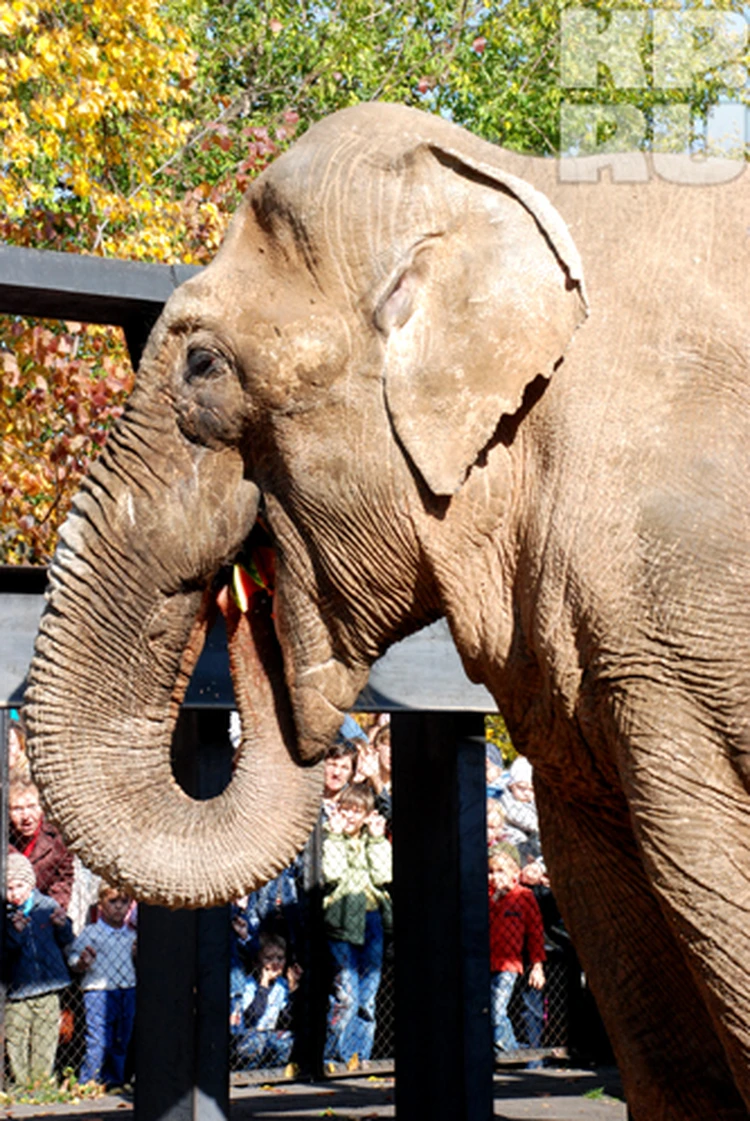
(311, 952)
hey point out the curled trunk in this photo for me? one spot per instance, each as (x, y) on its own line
(126, 616)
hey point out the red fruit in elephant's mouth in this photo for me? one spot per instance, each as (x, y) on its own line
(237, 591)
(255, 575)
(243, 587)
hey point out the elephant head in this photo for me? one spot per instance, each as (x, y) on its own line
(385, 295)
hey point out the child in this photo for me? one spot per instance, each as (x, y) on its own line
(521, 819)
(356, 914)
(261, 1007)
(36, 930)
(515, 926)
(496, 831)
(274, 908)
(104, 955)
(497, 780)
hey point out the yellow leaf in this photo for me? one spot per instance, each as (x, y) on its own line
(24, 67)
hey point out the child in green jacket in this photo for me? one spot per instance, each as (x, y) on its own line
(357, 913)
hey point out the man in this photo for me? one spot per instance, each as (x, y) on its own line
(338, 770)
(36, 839)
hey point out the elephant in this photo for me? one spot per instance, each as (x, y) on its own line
(439, 379)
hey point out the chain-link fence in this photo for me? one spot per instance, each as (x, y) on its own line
(311, 952)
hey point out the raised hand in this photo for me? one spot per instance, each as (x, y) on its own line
(376, 824)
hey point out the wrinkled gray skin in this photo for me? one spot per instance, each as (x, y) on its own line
(392, 348)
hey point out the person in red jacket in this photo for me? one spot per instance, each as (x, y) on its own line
(39, 842)
(515, 929)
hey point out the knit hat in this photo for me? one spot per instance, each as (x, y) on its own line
(19, 868)
(520, 770)
(351, 730)
(505, 848)
(494, 755)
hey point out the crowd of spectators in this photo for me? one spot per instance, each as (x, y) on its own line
(351, 854)
(70, 939)
(69, 949)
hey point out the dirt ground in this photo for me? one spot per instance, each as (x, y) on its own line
(556, 1094)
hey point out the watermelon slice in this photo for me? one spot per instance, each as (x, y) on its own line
(256, 577)
(243, 587)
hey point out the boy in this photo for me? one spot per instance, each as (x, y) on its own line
(356, 914)
(104, 954)
(515, 926)
(261, 1007)
(36, 930)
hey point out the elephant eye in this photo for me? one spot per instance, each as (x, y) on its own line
(203, 365)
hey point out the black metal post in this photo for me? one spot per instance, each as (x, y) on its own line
(165, 1015)
(182, 1026)
(136, 333)
(443, 1036)
(311, 1002)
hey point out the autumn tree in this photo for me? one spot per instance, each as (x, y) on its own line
(496, 733)
(497, 69)
(92, 99)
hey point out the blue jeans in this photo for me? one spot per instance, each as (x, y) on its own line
(502, 1029)
(351, 1017)
(110, 1014)
(264, 1048)
(533, 1015)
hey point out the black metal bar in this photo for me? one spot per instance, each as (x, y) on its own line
(311, 1001)
(165, 1015)
(211, 1093)
(136, 332)
(53, 285)
(474, 917)
(443, 1040)
(24, 579)
(182, 1026)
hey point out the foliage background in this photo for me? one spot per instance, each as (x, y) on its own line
(130, 128)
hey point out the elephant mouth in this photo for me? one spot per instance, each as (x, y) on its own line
(243, 592)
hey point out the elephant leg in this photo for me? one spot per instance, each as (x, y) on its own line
(689, 806)
(671, 1061)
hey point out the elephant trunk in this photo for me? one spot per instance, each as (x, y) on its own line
(116, 645)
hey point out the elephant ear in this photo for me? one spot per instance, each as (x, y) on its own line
(474, 311)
